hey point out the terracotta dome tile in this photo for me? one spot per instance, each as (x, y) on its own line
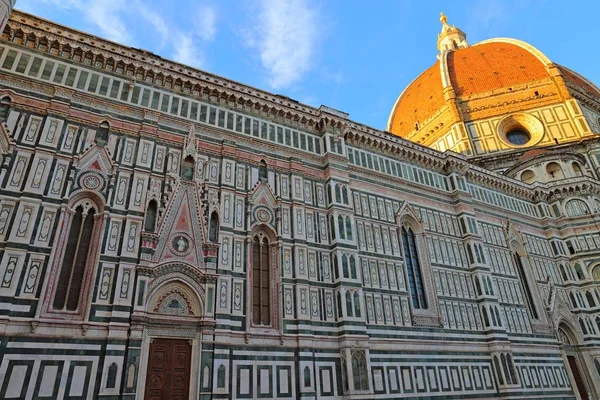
(419, 101)
(491, 66)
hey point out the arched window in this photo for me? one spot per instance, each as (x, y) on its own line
(577, 169)
(348, 304)
(582, 325)
(341, 227)
(470, 253)
(498, 370)
(525, 286)
(352, 267)
(345, 266)
(332, 228)
(554, 170)
(505, 368)
(345, 195)
(338, 296)
(261, 289)
(74, 261)
(307, 377)
(497, 316)
(528, 176)
(359, 371)
(562, 272)
(150, 222)
(413, 268)
(579, 272)
(348, 228)
(187, 171)
(221, 377)
(489, 282)
(111, 376)
(573, 301)
(576, 207)
(477, 285)
(336, 267)
(263, 174)
(356, 305)
(338, 194)
(486, 320)
(213, 228)
(4, 108)
(511, 368)
(102, 135)
(590, 299)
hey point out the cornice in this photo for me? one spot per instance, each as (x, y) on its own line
(140, 65)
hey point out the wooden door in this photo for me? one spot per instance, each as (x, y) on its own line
(168, 376)
(578, 378)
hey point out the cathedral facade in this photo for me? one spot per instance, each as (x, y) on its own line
(166, 233)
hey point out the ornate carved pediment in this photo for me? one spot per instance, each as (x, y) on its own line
(263, 205)
(94, 170)
(512, 232)
(406, 211)
(181, 229)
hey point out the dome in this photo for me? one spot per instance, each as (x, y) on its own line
(466, 73)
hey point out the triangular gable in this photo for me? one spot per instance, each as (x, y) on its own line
(406, 210)
(181, 228)
(264, 205)
(512, 233)
(96, 158)
(263, 195)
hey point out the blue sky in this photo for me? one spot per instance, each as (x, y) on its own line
(355, 56)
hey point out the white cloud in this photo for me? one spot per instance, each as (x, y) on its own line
(140, 22)
(285, 36)
(186, 51)
(105, 15)
(206, 23)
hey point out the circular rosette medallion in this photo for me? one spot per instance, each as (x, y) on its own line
(181, 244)
(91, 181)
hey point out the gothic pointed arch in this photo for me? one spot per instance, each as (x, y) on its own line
(527, 281)
(417, 266)
(263, 278)
(75, 256)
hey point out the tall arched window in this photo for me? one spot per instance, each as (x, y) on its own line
(348, 228)
(359, 370)
(345, 273)
(74, 261)
(338, 297)
(411, 257)
(213, 227)
(341, 226)
(150, 222)
(352, 267)
(338, 194)
(187, 171)
(348, 304)
(525, 286)
(261, 290)
(356, 299)
(590, 299)
(498, 370)
(345, 195)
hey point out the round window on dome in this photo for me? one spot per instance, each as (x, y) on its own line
(520, 130)
(518, 136)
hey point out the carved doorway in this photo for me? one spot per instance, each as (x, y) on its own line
(569, 342)
(168, 376)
